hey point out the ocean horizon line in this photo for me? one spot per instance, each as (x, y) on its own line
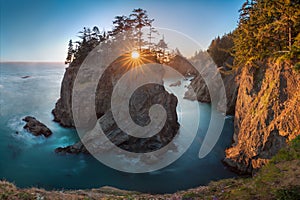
(28, 61)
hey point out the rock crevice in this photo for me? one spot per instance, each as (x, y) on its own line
(267, 115)
(140, 103)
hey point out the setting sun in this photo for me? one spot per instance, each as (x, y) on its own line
(135, 55)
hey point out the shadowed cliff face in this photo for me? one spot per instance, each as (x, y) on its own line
(63, 108)
(231, 83)
(267, 115)
(140, 103)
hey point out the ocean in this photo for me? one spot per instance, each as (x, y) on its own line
(30, 161)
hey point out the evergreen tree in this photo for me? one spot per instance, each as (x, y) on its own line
(267, 28)
(121, 24)
(70, 53)
(162, 45)
(96, 33)
(150, 34)
(220, 50)
(124, 29)
(138, 20)
(177, 52)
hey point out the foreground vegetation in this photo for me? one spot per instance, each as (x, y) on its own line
(279, 179)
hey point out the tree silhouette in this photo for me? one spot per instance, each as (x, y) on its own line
(70, 53)
(138, 20)
(162, 45)
(130, 28)
(152, 31)
(96, 33)
(220, 50)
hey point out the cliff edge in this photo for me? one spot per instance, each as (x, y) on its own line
(140, 103)
(267, 115)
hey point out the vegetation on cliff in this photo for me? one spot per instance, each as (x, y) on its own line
(266, 51)
(267, 29)
(220, 50)
(259, 62)
(136, 28)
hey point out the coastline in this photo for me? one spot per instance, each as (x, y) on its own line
(284, 169)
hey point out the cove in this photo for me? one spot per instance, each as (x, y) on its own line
(30, 161)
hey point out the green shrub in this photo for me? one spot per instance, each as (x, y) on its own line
(289, 153)
(25, 196)
(190, 196)
(297, 67)
(292, 193)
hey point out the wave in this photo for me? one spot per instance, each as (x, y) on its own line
(16, 124)
(229, 117)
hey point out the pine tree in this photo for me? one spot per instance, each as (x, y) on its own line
(150, 34)
(220, 50)
(121, 24)
(139, 19)
(266, 28)
(162, 45)
(96, 33)
(70, 53)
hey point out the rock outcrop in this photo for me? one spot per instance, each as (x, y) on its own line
(231, 83)
(183, 66)
(72, 149)
(36, 127)
(63, 108)
(140, 103)
(267, 115)
(142, 100)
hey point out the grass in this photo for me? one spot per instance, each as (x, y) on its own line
(291, 152)
(297, 67)
(292, 193)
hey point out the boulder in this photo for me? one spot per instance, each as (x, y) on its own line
(231, 82)
(35, 127)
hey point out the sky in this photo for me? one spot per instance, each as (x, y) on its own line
(39, 30)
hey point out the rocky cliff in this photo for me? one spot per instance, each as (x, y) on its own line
(183, 66)
(267, 115)
(231, 83)
(140, 103)
(265, 103)
(63, 108)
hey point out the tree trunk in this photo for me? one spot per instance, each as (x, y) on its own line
(150, 38)
(290, 37)
(140, 38)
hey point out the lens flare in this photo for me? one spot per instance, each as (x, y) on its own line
(135, 55)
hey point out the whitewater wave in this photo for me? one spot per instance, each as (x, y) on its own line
(229, 117)
(16, 124)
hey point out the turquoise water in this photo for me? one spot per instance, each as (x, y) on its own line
(30, 161)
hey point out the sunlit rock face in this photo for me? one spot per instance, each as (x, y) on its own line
(140, 103)
(267, 115)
